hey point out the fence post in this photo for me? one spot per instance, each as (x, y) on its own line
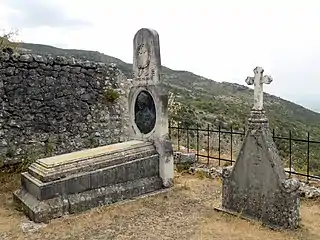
(231, 143)
(197, 142)
(308, 158)
(169, 129)
(178, 136)
(208, 131)
(290, 155)
(273, 134)
(219, 144)
(188, 139)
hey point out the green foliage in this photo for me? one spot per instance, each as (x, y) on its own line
(49, 147)
(92, 142)
(10, 152)
(7, 41)
(181, 168)
(185, 116)
(201, 174)
(111, 95)
(29, 156)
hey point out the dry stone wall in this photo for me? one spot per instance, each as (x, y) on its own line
(53, 105)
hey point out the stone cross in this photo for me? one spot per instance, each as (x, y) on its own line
(258, 80)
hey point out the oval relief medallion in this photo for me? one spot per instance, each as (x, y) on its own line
(145, 112)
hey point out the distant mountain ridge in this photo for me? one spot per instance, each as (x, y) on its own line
(310, 102)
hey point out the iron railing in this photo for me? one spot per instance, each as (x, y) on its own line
(185, 132)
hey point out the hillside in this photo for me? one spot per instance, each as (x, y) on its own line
(226, 104)
(214, 102)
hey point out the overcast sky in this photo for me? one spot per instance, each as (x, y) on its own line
(221, 40)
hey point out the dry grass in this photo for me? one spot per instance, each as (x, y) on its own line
(185, 212)
(213, 154)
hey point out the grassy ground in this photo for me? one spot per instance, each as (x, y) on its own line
(185, 212)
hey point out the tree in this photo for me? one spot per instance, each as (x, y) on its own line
(7, 40)
(183, 114)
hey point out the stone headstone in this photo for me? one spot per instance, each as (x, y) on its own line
(148, 100)
(256, 186)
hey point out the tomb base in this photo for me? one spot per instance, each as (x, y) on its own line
(82, 180)
(43, 211)
(220, 208)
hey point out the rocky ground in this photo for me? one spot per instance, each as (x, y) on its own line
(185, 212)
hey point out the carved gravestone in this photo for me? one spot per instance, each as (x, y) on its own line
(148, 101)
(256, 186)
(74, 182)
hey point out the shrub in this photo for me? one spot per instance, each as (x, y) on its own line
(111, 95)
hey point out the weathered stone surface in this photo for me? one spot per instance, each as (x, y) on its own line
(307, 191)
(55, 105)
(148, 101)
(258, 80)
(57, 167)
(184, 158)
(127, 171)
(29, 226)
(43, 211)
(256, 186)
(55, 181)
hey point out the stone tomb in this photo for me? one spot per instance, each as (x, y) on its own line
(82, 180)
(256, 186)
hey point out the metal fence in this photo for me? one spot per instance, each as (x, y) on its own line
(183, 136)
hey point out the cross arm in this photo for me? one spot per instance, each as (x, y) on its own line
(250, 80)
(266, 79)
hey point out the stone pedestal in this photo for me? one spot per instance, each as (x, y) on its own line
(78, 181)
(256, 186)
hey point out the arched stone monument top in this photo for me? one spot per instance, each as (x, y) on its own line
(146, 57)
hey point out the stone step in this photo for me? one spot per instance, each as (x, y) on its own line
(127, 171)
(57, 207)
(61, 166)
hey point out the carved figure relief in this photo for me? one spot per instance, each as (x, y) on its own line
(145, 112)
(143, 60)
